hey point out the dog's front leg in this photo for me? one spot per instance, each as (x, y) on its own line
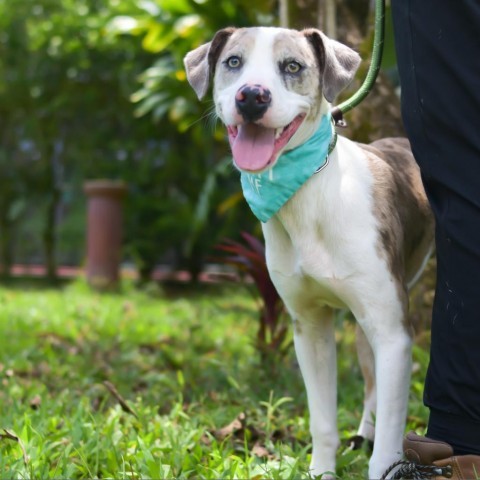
(315, 347)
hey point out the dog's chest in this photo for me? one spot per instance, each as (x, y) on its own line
(322, 242)
(307, 269)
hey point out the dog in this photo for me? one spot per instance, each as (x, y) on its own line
(346, 225)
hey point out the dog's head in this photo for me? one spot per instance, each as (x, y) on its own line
(271, 86)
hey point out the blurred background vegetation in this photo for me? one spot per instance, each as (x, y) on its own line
(96, 89)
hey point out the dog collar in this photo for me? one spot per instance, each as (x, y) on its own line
(268, 191)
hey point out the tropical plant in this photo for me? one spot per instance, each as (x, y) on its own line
(248, 258)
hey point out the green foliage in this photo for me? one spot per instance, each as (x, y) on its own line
(69, 72)
(248, 258)
(64, 103)
(195, 176)
(198, 402)
(92, 89)
(177, 28)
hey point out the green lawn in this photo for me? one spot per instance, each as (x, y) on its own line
(185, 395)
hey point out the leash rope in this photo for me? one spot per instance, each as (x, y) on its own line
(373, 69)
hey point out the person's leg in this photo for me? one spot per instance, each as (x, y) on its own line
(438, 45)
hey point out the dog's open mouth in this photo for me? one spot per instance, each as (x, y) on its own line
(255, 148)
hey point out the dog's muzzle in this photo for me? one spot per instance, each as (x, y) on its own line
(252, 101)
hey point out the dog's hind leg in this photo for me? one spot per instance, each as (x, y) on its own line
(366, 360)
(316, 353)
(391, 342)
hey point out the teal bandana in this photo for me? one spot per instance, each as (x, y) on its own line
(268, 191)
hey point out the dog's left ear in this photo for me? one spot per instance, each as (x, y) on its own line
(200, 63)
(338, 63)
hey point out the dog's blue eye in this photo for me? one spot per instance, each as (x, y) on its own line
(292, 67)
(233, 62)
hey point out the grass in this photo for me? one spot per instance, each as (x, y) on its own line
(154, 384)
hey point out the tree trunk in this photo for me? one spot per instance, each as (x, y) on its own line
(327, 17)
(320, 14)
(49, 234)
(283, 13)
(6, 259)
(55, 173)
(330, 18)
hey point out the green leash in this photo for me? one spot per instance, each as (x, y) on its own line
(367, 85)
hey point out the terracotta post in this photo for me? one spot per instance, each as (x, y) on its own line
(104, 231)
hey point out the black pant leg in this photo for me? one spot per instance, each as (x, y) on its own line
(438, 50)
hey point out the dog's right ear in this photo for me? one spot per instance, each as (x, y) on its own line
(200, 63)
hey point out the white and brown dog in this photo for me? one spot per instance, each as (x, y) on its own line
(354, 235)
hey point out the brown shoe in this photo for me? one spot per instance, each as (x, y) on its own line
(427, 458)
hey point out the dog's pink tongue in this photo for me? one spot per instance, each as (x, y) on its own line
(253, 147)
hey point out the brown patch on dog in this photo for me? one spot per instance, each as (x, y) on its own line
(240, 44)
(294, 46)
(337, 62)
(401, 207)
(200, 63)
(315, 40)
(217, 45)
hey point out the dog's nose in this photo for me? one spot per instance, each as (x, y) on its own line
(252, 101)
